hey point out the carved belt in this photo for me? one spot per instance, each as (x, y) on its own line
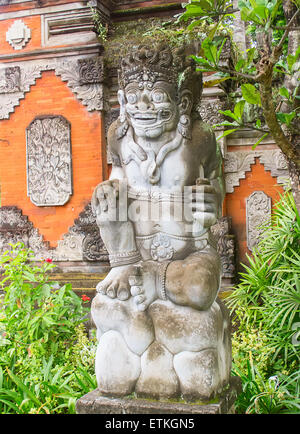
(165, 247)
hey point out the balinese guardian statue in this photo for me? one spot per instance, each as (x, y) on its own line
(162, 331)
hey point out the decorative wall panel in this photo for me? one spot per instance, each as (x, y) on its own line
(49, 164)
(258, 214)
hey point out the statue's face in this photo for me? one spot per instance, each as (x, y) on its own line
(151, 111)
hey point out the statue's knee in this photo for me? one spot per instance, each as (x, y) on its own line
(203, 280)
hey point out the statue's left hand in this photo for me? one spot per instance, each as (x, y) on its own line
(204, 204)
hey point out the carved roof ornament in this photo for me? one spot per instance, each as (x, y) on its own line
(18, 35)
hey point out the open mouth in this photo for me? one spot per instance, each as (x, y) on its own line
(145, 117)
(162, 115)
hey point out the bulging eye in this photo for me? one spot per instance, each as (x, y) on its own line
(131, 98)
(158, 96)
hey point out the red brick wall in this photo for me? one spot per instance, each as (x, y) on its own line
(235, 203)
(52, 96)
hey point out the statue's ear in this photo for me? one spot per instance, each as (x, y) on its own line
(186, 102)
(122, 102)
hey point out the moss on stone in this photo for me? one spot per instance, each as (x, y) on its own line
(123, 36)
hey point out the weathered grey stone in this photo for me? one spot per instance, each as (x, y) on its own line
(94, 403)
(198, 373)
(154, 214)
(158, 378)
(135, 326)
(181, 328)
(117, 368)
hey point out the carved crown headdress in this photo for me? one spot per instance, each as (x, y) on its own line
(150, 64)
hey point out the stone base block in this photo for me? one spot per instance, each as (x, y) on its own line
(94, 403)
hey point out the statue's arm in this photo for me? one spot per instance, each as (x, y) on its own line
(113, 149)
(213, 169)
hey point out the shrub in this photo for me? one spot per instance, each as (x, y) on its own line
(46, 361)
(266, 305)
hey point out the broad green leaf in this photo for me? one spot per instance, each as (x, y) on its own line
(259, 140)
(195, 23)
(286, 118)
(240, 64)
(239, 109)
(251, 94)
(209, 50)
(226, 133)
(284, 92)
(261, 12)
(211, 83)
(229, 114)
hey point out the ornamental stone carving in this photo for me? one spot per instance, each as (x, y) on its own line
(10, 80)
(49, 161)
(81, 243)
(237, 163)
(225, 246)
(90, 70)
(15, 227)
(157, 309)
(81, 77)
(258, 215)
(18, 35)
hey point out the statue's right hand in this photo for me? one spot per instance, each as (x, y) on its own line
(105, 198)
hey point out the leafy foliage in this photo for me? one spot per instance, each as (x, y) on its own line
(254, 70)
(46, 360)
(266, 307)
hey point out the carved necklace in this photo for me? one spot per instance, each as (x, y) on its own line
(148, 161)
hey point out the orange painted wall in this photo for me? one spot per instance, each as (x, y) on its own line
(52, 96)
(235, 203)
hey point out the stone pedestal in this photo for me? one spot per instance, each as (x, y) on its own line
(94, 403)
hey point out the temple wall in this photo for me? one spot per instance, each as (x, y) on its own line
(52, 67)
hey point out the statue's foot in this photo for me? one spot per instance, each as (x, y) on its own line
(116, 283)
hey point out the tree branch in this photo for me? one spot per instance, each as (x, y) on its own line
(286, 33)
(236, 73)
(270, 116)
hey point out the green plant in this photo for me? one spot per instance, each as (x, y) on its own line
(100, 28)
(42, 342)
(262, 78)
(266, 307)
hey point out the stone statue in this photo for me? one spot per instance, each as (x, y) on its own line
(162, 331)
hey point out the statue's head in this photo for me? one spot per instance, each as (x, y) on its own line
(158, 91)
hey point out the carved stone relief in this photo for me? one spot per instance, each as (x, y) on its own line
(10, 80)
(225, 246)
(18, 35)
(15, 227)
(83, 241)
(209, 111)
(49, 161)
(82, 78)
(258, 214)
(90, 70)
(236, 164)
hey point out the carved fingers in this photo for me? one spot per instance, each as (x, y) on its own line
(105, 198)
(204, 204)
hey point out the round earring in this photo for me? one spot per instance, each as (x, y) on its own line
(184, 126)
